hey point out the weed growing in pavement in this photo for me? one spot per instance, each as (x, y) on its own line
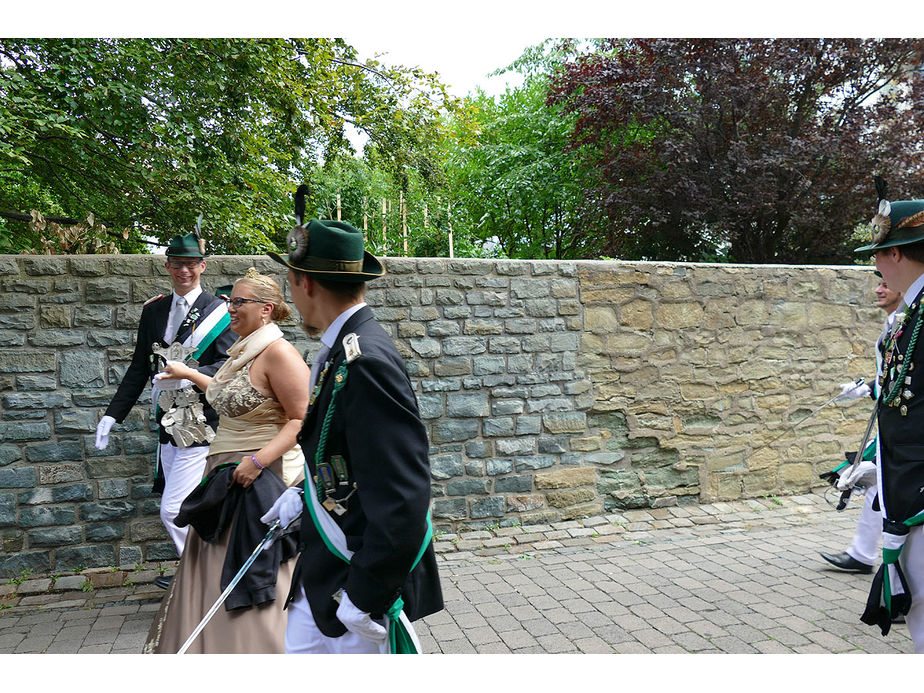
(22, 577)
(87, 585)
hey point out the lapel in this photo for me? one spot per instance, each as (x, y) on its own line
(160, 311)
(195, 315)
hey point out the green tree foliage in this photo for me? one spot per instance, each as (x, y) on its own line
(513, 179)
(423, 223)
(744, 149)
(148, 134)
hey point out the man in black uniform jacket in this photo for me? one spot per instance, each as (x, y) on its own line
(191, 318)
(365, 531)
(898, 588)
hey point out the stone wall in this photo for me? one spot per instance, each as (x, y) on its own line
(551, 390)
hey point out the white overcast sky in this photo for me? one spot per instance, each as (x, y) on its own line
(463, 41)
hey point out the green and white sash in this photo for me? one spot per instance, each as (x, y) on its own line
(402, 639)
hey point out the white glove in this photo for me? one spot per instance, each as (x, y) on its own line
(864, 475)
(854, 391)
(359, 622)
(102, 432)
(286, 508)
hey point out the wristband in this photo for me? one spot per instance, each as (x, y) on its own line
(257, 463)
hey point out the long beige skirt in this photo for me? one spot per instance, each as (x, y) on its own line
(197, 585)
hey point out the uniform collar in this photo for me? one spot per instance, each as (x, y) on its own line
(330, 334)
(190, 297)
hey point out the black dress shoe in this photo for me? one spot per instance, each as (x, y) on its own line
(845, 561)
(163, 581)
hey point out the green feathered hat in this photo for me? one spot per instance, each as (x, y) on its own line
(187, 245)
(327, 249)
(895, 223)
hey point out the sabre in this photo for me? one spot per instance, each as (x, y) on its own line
(792, 427)
(274, 530)
(845, 495)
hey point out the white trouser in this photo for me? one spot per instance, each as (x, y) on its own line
(183, 470)
(912, 561)
(304, 637)
(865, 546)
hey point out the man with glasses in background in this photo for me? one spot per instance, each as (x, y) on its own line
(188, 325)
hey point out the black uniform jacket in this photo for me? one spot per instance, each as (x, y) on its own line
(151, 328)
(901, 438)
(216, 504)
(376, 428)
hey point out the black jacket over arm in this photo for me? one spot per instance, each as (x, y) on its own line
(376, 428)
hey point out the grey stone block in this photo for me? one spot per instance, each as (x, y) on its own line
(32, 383)
(520, 483)
(477, 448)
(92, 512)
(164, 551)
(468, 405)
(65, 451)
(498, 466)
(72, 558)
(106, 291)
(93, 316)
(56, 338)
(104, 531)
(7, 509)
(112, 488)
(81, 369)
(501, 426)
(466, 487)
(430, 406)
(458, 346)
(450, 509)
(13, 565)
(450, 430)
(425, 348)
(446, 466)
(9, 454)
(44, 516)
(75, 421)
(55, 536)
(19, 477)
(488, 507)
(56, 494)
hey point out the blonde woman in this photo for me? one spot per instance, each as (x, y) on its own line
(260, 394)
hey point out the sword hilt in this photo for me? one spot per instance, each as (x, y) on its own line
(842, 503)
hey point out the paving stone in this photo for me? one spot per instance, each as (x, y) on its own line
(747, 582)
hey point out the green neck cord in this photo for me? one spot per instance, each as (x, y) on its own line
(340, 378)
(900, 381)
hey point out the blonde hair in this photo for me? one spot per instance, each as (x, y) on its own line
(266, 289)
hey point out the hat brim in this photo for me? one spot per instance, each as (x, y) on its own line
(198, 256)
(372, 269)
(896, 238)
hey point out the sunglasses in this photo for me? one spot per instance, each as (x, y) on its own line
(238, 302)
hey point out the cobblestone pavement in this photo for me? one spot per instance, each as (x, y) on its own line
(741, 577)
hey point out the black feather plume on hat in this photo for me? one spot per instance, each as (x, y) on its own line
(300, 194)
(882, 188)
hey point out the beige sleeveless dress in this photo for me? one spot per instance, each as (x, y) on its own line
(248, 419)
